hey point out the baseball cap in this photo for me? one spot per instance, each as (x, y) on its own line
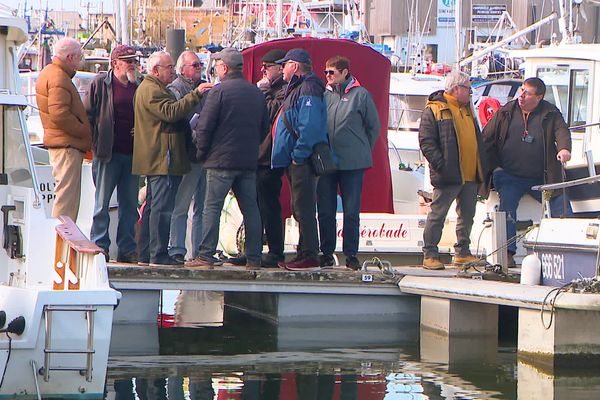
(273, 55)
(230, 56)
(122, 51)
(298, 55)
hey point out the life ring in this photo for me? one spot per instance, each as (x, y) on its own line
(487, 109)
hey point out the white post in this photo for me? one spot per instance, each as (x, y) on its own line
(500, 257)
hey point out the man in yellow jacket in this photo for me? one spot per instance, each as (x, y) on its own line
(67, 131)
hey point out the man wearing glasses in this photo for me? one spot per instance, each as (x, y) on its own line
(193, 184)
(161, 126)
(451, 142)
(301, 123)
(526, 141)
(109, 106)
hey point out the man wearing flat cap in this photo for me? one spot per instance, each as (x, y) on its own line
(109, 106)
(301, 123)
(232, 122)
(268, 180)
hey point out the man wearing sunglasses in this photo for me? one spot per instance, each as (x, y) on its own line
(526, 141)
(301, 124)
(451, 142)
(193, 184)
(109, 106)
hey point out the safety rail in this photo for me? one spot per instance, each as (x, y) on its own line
(73, 256)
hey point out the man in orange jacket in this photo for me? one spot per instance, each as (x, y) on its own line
(67, 131)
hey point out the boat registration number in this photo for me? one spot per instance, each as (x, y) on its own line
(553, 266)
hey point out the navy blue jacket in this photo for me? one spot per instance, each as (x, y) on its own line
(231, 124)
(305, 110)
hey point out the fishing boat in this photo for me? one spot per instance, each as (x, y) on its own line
(56, 304)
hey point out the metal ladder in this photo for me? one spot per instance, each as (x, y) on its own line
(48, 350)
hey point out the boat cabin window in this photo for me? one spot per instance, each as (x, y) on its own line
(405, 111)
(14, 166)
(568, 89)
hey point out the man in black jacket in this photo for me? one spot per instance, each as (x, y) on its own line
(450, 141)
(269, 180)
(526, 142)
(233, 120)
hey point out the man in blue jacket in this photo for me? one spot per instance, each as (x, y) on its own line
(233, 120)
(300, 125)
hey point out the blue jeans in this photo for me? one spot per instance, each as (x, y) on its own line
(107, 176)
(193, 184)
(350, 184)
(243, 183)
(511, 189)
(160, 200)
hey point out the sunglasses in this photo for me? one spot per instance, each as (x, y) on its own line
(265, 66)
(129, 60)
(196, 65)
(329, 72)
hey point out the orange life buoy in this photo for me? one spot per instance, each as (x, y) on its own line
(487, 109)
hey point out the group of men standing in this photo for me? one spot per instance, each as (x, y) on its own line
(196, 140)
(193, 140)
(523, 145)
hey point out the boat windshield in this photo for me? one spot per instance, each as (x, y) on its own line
(405, 111)
(568, 89)
(14, 163)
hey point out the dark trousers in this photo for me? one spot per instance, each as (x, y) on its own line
(466, 200)
(303, 183)
(268, 187)
(156, 219)
(350, 184)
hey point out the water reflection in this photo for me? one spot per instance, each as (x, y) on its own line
(234, 356)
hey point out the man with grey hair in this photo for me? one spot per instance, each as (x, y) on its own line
(193, 184)
(233, 120)
(451, 142)
(67, 131)
(159, 152)
(109, 106)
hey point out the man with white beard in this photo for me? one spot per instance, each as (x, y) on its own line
(109, 105)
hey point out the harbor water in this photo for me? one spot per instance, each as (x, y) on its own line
(201, 349)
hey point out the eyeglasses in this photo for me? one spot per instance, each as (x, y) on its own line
(170, 66)
(265, 65)
(195, 65)
(469, 88)
(129, 60)
(329, 72)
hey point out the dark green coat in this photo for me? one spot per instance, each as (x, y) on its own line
(160, 129)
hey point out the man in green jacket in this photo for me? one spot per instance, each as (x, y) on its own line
(159, 152)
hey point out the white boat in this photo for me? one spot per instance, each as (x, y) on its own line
(408, 97)
(56, 305)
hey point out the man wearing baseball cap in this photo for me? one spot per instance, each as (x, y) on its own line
(232, 122)
(301, 124)
(109, 106)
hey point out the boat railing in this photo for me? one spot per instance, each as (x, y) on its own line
(74, 258)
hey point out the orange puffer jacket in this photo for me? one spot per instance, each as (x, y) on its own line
(63, 116)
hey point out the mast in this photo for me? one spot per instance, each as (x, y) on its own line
(458, 22)
(279, 19)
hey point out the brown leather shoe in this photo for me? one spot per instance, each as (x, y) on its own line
(432, 263)
(305, 264)
(468, 259)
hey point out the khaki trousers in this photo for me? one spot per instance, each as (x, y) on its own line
(66, 170)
